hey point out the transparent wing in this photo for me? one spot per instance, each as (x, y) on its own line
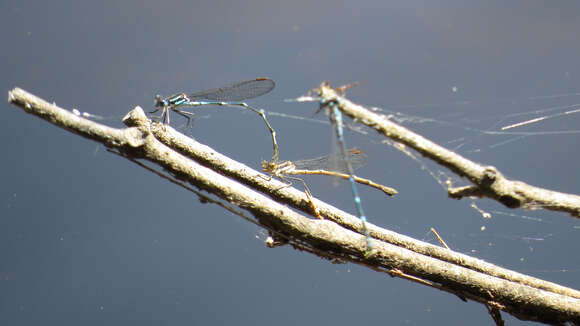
(236, 92)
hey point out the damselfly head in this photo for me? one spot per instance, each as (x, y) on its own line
(268, 166)
(317, 92)
(159, 101)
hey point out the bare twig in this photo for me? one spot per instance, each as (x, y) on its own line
(487, 180)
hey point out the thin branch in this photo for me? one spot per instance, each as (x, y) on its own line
(186, 160)
(280, 192)
(487, 180)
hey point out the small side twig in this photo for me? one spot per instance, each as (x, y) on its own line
(487, 180)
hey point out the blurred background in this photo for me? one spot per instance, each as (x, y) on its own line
(87, 238)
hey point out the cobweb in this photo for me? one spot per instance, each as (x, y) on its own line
(528, 121)
(481, 128)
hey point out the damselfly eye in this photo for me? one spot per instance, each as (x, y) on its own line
(159, 101)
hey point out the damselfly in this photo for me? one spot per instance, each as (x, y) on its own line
(230, 95)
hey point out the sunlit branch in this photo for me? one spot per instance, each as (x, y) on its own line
(267, 200)
(487, 180)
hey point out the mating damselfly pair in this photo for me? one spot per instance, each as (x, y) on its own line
(233, 95)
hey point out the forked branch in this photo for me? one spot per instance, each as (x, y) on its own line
(487, 181)
(267, 200)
